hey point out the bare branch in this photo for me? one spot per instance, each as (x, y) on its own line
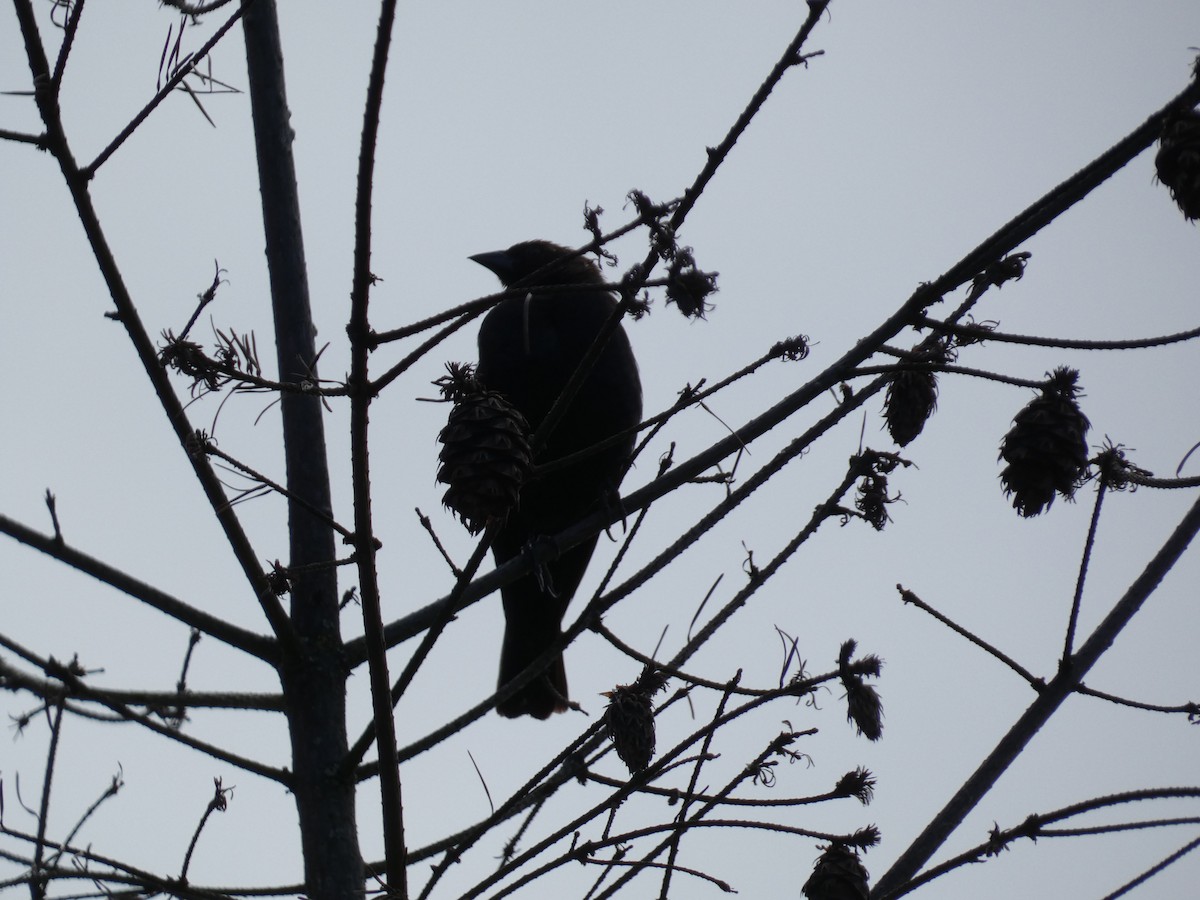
(256, 645)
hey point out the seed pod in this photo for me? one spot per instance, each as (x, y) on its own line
(837, 875)
(629, 719)
(911, 399)
(1046, 449)
(485, 451)
(1178, 161)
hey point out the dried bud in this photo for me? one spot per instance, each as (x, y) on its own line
(792, 349)
(872, 499)
(188, 358)
(1011, 268)
(687, 287)
(1116, 471)
(279, 579)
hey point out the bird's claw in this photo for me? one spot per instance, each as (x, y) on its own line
(611, 502)
(543, 550)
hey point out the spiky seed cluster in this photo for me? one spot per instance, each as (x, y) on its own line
(687, 287)
(1178, 161)
(872, 499)
(485, 455)
(279, 579)
(1116, 471)
(1046, 449)
(863, 705)
(188, 358)
(838, 875)
(859, 784)
(792, 349)
(629, 719)
(1011, 268)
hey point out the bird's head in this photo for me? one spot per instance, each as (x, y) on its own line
(539, 262)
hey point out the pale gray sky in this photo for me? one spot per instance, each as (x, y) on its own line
(923, 128)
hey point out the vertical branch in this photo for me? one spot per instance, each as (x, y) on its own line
(68, 41)
(1089, 544)
(314, 677)
(358, 329)
(681, 817)
(37, 882)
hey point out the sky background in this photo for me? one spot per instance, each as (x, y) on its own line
(923, 128)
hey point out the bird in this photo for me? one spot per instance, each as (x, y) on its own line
(529, 347)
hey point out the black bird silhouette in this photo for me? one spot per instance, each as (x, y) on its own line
(528, 349)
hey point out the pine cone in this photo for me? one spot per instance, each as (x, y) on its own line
(1046, 450)
(1178, 161)
(629, 719)
(837, 875)
(912, 394)
(485, 451)
(911, 399)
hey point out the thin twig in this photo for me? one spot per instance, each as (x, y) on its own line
(153, 701)
(211, 449)
(1077, 600)
(20, 137)
(1191, 710)
(427, 524)
(43, 817)
(259, 646)
(114, 786)
(219, 801)
(74, 686)
(680, 818)
(1154, 870)
(909, 597)
(89, 171)
(68, 41)
(980, 334)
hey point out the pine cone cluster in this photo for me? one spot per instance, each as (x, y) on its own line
(1046, 449)
(837, 875)
(1178, 161)
(485, 454)
(629, 720)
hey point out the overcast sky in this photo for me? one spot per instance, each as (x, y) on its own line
(923, 128)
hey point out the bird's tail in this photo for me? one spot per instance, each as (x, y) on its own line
(547, 693)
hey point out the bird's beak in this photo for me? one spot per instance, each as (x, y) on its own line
(497, 262)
